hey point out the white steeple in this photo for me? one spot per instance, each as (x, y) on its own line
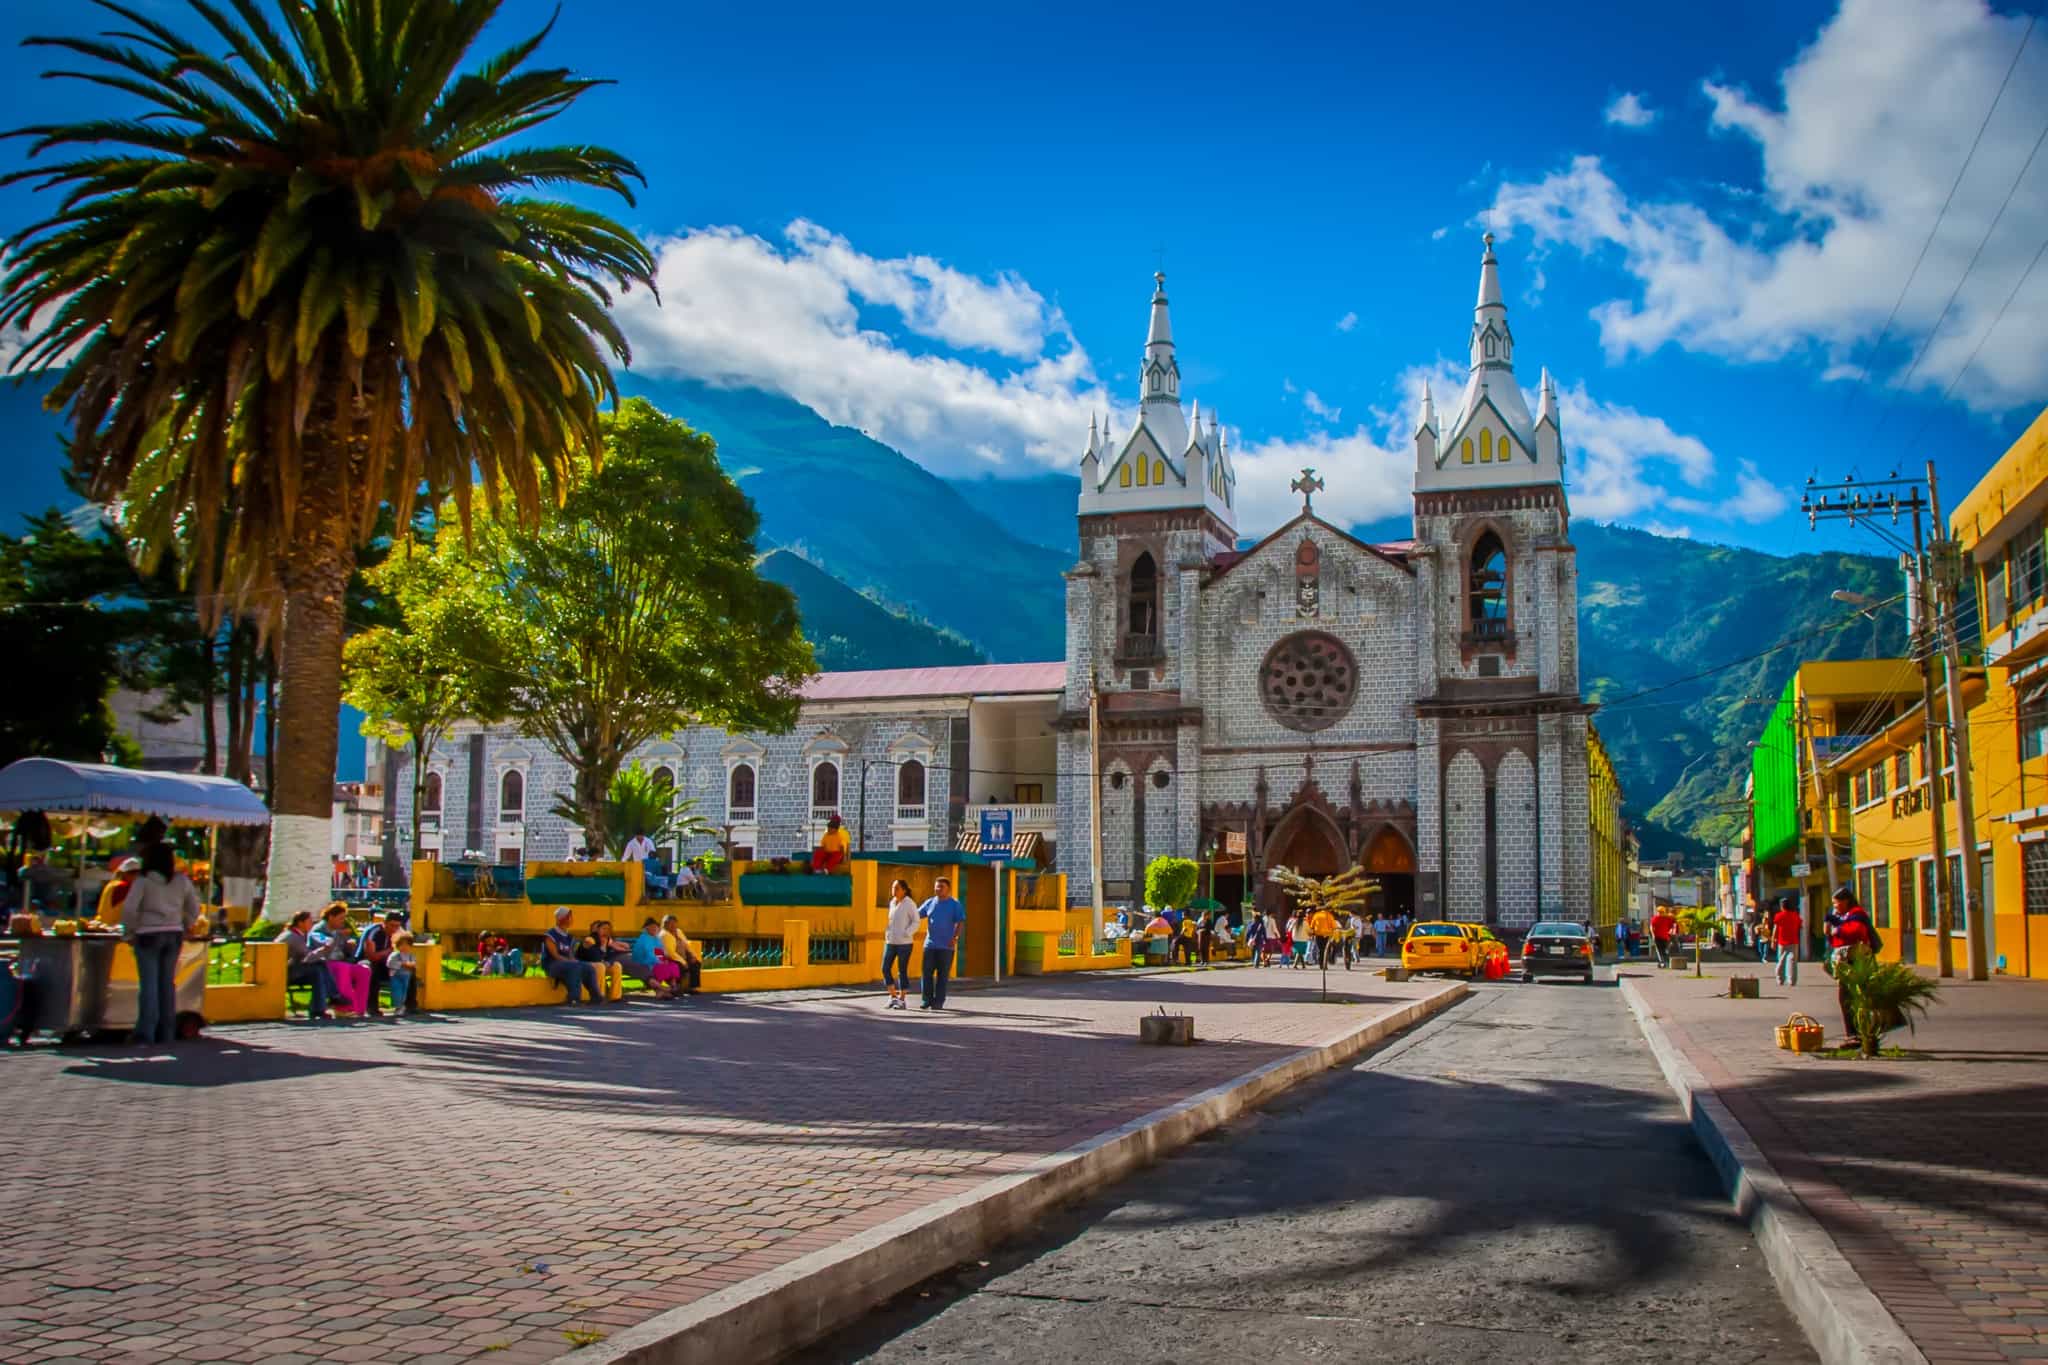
(1490, 440)
(1092, 443)
(1549, 432)
(1159, 393)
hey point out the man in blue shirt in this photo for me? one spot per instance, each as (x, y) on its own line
(943, 919)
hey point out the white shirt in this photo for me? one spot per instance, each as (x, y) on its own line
(639, 848)
(902, 921)
(686, 875)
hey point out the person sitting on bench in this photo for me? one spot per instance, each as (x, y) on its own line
(559, 961)
(830, 855)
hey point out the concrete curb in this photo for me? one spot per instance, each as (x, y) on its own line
(784, 1309)
(1845, 1321)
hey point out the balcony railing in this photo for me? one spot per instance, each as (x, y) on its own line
(910, 815)
(1488, 630)
(1041, 817)
(739, 815)
(1138, 649)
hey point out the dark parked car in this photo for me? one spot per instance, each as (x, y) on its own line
(1557, 948)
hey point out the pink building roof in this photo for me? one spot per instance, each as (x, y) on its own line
(885, 684)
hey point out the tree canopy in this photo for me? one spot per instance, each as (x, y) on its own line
(634, 609)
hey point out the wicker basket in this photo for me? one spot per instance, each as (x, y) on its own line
(1800, 1033)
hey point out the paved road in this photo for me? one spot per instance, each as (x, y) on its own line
(1510, 1181)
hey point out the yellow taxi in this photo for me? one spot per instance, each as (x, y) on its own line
(1438, 946)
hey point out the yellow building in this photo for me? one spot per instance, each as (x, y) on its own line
(1798, 837)
(1610, 836)
(2000, 528)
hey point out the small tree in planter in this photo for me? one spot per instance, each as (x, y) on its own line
(1339, 895)
(1882, 996)
(1170, 882)
(1699, 921)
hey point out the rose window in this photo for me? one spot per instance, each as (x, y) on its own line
(1308, 681)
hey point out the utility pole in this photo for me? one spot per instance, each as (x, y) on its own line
(1095, 795)
(1947, 558)
(1869, 500)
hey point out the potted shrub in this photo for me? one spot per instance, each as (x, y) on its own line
(1883, 996)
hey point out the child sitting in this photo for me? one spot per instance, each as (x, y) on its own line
(402, 965)
(497, 957)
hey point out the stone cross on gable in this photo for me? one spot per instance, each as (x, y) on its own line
(1308, 485)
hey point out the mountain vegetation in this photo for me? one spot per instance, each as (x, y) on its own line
(849, 630)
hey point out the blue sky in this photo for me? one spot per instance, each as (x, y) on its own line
(938, 223)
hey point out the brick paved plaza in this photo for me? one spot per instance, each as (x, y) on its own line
(509, 1186)
(1930, 1174)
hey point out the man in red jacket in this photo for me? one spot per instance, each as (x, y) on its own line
(1662, 927)
(1850, 935)
(1786, 930)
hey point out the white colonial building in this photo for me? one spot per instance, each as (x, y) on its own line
(1308, 699)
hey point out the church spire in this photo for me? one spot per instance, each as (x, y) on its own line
(1492, 344)
(1162, 372)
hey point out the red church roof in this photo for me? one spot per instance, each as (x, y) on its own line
(978, 680)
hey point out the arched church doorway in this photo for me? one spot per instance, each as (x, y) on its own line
(1307, 842)
(1392, 863)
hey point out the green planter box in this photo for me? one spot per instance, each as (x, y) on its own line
(795, 888)
(576, 890)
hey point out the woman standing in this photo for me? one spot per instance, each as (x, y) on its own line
(897, 941)
(158, 916)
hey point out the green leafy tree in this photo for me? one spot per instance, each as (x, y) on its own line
(641, 802)
(1170, 882)
(634, 609)
(73, 624)
(1699, 921)
(435, 666)
(309, 279)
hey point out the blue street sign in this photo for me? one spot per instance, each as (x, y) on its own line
(995, 834)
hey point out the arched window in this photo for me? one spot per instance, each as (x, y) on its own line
(1159, 471)
(1465, 455)
(739, 792)
(825, 786)
(1485, 447)
(910, 790)
(512, 796)
(1123, 475)
(665, 776)
(430, 795)
(1144, 613)
(1489, 588)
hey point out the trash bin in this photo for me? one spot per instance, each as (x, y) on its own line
(1030, 958)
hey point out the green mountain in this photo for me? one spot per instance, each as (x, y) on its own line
(1039, 509)
(1716, 632)
(850, 631)
(877, 521)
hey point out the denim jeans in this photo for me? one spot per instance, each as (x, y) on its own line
(313, 974)
(938, 965)
(1788, 966)
(896, 955)
(401, 989)
(156, 968)
(574, 977)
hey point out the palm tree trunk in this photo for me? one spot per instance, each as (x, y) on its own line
(308, 647)
(593, 786)
(207, 726)
(236, 769)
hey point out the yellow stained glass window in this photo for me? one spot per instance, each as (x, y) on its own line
(1123, 476)
(1465, 456)
(1486, 447)
(1159, 471)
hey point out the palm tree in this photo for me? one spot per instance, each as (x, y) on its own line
(309, 282)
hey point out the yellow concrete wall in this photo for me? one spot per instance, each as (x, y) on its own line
(261, 994)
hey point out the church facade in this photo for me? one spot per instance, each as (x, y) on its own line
(1308, 699)
(1315, 701)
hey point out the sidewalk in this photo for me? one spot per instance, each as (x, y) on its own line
(510, 1186)
(1930, 1174)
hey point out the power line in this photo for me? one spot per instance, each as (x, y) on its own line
(2012, 66)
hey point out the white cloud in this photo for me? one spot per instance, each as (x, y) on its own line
(1321, 409)
(1876, 116)
(737, 309)
(1754, 501)
(1347, 322)
(1661, 528)
(1440, 233)
(1629, 110)
(1287, 388)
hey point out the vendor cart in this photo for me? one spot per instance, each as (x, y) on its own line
(84, 983)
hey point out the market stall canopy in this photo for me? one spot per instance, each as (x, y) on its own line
(56, 787)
